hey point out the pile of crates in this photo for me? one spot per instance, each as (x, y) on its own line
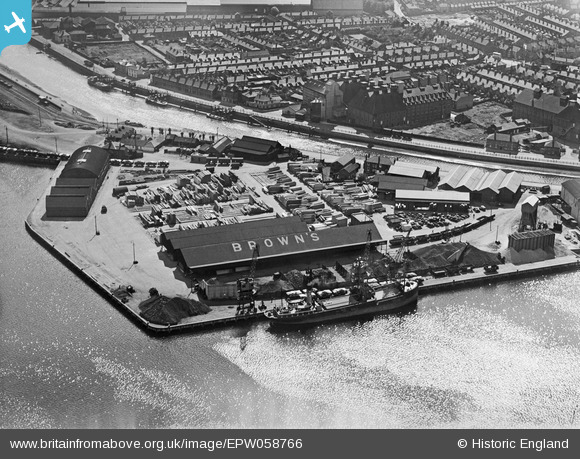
(351, 198)
(275, 181)
(197, 197)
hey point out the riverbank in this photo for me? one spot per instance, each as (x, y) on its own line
(43, 121)
(443, 148)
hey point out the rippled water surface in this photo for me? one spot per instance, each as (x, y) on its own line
(498, 356)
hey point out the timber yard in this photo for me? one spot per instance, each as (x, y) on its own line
(182, 228)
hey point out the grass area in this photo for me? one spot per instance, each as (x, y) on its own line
(121, 51)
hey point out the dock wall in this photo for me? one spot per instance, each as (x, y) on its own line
(519, 272)
(69, 62)
(133, 316)
(458, 282)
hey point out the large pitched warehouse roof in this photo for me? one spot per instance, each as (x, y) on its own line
(471, 179)
(229, 244)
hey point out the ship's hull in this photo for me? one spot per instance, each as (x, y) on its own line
(157, 103)
(100, 84)
(348, 312)
(104, 87)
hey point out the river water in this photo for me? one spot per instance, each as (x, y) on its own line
(112, 107)
(505, 355)
(501, 355)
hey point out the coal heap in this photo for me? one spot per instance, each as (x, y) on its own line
(163, 310)
(274, 288)
(449, 254)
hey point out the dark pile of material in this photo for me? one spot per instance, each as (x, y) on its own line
(450, 254)
(274, 288)
(323, 279)
(296, 278)
(382, 269)
(169, 311)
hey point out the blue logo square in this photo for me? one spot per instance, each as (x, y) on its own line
(15, 22)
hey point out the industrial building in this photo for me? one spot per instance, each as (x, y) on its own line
(570, 194)
(387, 184)
(280, 240)
(326, 95)
(414, 170)
(502, 143)
(557, 113)
(78, 184)
(256, 150)
(462, 178)
(490, 187)
(532, 240)
(529, 213)
(378, 163)
(342, 162)
(338, 7)
(393, 104)
(120, 7)
(432, 200)
(150, 7)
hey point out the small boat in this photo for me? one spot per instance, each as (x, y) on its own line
(156, 99)
(102, 83)
(213, 116)
(134, 124)
(220, 114)
(103, 86)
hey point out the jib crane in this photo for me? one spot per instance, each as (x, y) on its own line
(245, 286)
(401, 253)
(364, 262)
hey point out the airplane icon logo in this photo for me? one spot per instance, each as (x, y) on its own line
(17, 23)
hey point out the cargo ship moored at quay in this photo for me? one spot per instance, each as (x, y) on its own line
(102, 83)
(157, 100)
(363, 302)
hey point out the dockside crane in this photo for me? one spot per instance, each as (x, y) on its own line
(245, 286)
(401, 253)
(363, 263)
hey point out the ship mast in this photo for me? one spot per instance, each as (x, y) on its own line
(362, 265)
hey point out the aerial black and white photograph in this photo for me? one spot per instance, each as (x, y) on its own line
(290, 214)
